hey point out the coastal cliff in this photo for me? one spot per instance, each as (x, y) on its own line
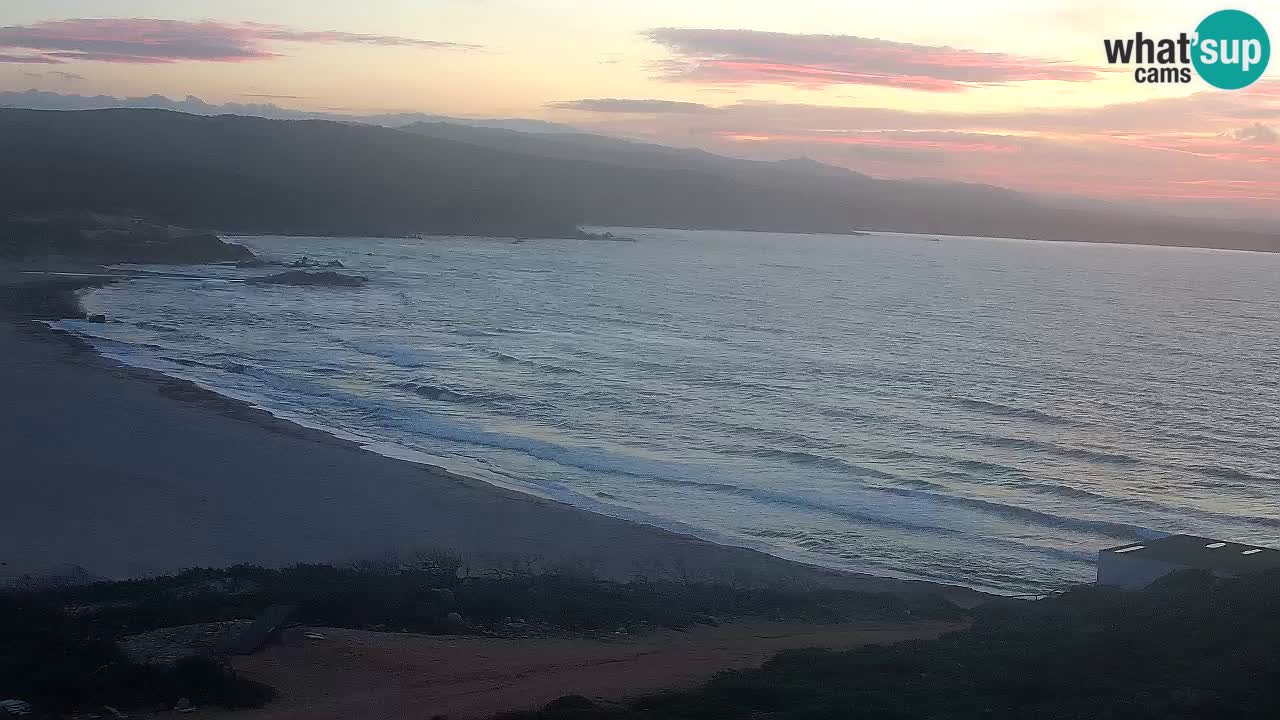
(108, 240)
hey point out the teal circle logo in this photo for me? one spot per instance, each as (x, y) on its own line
(1232, 49)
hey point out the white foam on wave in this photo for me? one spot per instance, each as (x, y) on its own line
(888, 512)
(138, 357)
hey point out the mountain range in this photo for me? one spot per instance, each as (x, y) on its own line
(235, 173)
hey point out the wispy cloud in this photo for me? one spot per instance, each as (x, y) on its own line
(269, 96)
(56, 75)
(619, 105)
(1257, 133)
(35, 59)
(142, 40)
(747, 57)
(951, 142)
(1211, 146)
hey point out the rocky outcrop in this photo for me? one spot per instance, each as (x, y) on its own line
(47, 297)
(91, 238)
(605, 236)
(307, 262)
(167, 646)
(327, 278)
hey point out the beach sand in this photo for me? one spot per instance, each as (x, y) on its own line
(125, 472)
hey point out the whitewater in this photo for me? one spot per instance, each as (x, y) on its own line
(967, 410)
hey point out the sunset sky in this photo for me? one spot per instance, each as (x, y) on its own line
(1006, 92)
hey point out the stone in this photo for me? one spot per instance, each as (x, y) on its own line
(444, 595)
(301, 277)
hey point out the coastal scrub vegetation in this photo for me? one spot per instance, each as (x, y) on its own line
(1191, 646)
(58, 645)
(419, 595)
(61, 661)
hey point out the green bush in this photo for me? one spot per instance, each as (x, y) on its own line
(419, 597)
(1192, 646)
(57, 644)
(61, 662)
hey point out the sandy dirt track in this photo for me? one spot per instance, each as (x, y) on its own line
(351, 674)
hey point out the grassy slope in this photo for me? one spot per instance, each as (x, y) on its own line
(1191, 647)
(56, 646)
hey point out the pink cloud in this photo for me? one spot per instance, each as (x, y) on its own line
(147, 41)
(741, 57)
(1224, 142)
(643, 106)
(951, 142)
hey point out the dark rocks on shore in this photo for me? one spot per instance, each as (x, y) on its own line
(105, 240)
(303, 262)
(327, 278)
(48, 298)
(169, 645)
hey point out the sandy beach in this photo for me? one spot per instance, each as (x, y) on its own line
(124, 472)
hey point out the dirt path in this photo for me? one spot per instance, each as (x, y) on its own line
(351, 674)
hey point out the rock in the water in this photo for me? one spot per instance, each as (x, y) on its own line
(306, 262)
(97, 318)
(301, 277)
(185, 706)
(605, 236)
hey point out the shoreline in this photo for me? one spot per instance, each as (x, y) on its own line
(232, 235)
(492, 526)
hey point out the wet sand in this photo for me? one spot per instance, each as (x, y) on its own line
(125, 472)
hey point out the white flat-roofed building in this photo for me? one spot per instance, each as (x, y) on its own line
(1138, 564)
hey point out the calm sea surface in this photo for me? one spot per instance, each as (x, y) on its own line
(984, 412)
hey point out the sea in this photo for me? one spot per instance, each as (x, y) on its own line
(983, 412)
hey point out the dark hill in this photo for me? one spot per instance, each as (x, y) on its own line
(294, 177)
(247, 174)
(921, 206)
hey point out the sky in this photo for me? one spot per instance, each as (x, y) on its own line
(1016, 94)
